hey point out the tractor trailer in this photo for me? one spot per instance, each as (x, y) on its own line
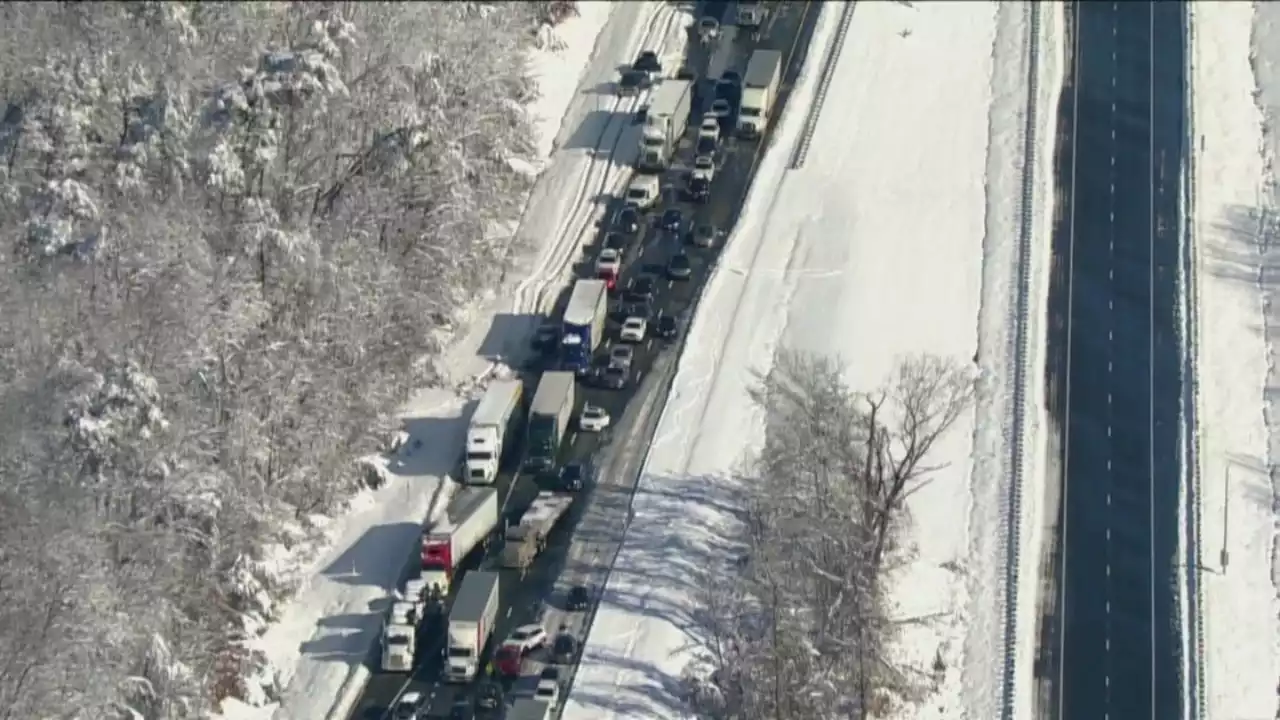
(584, 321)
(664, 125)
(471, 621)
(496, 421)
(528, 538)
(471, 516)
(549, 419)
(759, 92)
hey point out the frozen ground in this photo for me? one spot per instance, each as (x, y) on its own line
(326, 629)
(887, 241)
(1233, 225)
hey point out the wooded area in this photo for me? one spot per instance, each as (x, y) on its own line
(800, 627)
(235, 231)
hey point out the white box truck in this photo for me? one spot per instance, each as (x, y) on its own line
(549, 419)
(400, 636)
(667, 119)
(471, 621)
(526, 539)
(496, 420)
(471, 515)
(760, 87)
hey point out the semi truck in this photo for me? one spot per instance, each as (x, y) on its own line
(664, 125)
(760, 87)
(471, 621)
(497, 418)
(584, 320)
(526, 539)
(471, 516)
(400, 636)
(549, 420)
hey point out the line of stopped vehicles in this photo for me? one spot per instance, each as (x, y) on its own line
(571, 350)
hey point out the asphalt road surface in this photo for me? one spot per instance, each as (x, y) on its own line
(582, 549)
(1115, 367)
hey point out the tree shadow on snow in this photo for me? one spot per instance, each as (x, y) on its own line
(344, 638)
(371, 559)
(507, 339)
(601, 131)
(434, 445)
(660, 693)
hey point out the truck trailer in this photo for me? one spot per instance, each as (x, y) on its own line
(528, 538)
(584, 320)
(496, 420)
(471, 621)
(664, 125)
(760, 87)
(549, 419)
(471, 516)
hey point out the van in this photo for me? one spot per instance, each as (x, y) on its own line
(643, 192)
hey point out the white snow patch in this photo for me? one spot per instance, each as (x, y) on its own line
(1233, 186)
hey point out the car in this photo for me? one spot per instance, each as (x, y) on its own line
(704, 166)
(643, 192)
(708, 29)
(634, 329)
(731, 77)
(489, 696)
(409, 706)
(703, 236)
(622, 356)
(546, 337)
(721, 108)
(616, 241)
(698, 189)
(671, 220)
(679, 267)
(666, 327)
(710, 127)
(648, 62)
(610, 260)
(635, 308)
(548, 685)
(461, 710)
(631, 82)
(641, 288)
(593, 419)
(627, 221)
(614, 378)
(579, 598)
(575, 476)
(564, 647)
(547, 479)
(728, 92)
(705, 145)
(508, 659)
(686, 72)
(527, 638)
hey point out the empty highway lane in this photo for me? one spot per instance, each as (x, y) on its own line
(1115, 368)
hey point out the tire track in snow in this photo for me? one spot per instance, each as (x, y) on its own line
(543, 284)
(1018, 450)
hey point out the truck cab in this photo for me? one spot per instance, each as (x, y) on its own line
(398, 647)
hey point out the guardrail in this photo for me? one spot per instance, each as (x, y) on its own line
(824, 83)
(1021, 340)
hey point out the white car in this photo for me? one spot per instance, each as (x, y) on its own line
(704, 166)
(643, 192)
(609, 261)
(548, 685)
(710, 127)
(527, 637)
(708, 29)
(721, 108)
(593, 419)
(634, 329)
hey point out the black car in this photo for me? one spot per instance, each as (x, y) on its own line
(564, 648)
(671, 220)
(706, 145)
(489, 696)
(698, 190)
(648, 62)
(679, 267)
(408, 707)
(547, 479)
(576, 476)
(632, 82)
(579, 598)
(641, 289)
(703, 236)
(727, 90)
(616, 241)
(731, 77)
(627, 221)
(546, 337)
(666, 327)
(614, 378)
(635, 308)
(461, 710)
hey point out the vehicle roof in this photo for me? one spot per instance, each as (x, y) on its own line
(461, 507)
(474, 594)
(761, 67)
(556, 384)
(644, 181)
(583, 300)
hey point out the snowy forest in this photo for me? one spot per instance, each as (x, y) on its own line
(235, 231)
(800, 627)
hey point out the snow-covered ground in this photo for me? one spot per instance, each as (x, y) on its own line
(898, 235)
(1234, 115)
(321, 638)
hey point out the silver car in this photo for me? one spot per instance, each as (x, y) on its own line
(621, 356)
